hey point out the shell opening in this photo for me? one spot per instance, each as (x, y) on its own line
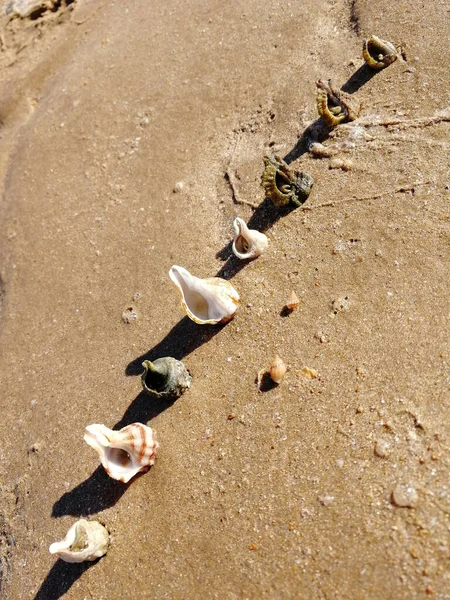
(242, 245)
(81, 540)
(194, 300)
(282, 182)
(118, 458)
(155, 380)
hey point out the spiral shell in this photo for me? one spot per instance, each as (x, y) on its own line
(123, 453)
(248, 243)
(85, 540)
(293, 301)
(284, 185)
(378, 54)
(334, 105)
(165, 378)
(277, 369)
(205, 301)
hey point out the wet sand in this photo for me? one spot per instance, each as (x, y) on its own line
(289, 493)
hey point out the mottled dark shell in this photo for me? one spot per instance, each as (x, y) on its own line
(378, 54)
(165, 378)
(334, 105)
(284, 185)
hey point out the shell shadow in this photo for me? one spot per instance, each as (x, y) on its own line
(318, 131)
(60, 579)
(185, 337)
(358, 79)
(266, 384)
(93, 495)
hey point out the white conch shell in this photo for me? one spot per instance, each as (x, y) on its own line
(123, 453)
(205, 301)
(248, 243)
(85, 540)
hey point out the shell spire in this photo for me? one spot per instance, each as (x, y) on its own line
(123, 453)
(205, 301)
(85, 540)
(248, 243)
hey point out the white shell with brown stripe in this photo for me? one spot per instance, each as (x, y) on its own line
(123, 453)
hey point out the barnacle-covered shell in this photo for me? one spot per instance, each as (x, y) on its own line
(378, 54)
(334, 105)
(85, 540)
(248, 243)
(123, 453)
(282, 184)
(277, 369)
(165, 378)
(205, 301)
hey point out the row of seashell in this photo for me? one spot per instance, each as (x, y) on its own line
(132, 449)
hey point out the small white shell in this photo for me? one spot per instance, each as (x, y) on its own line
(85, 540)
(123, 453)
(205, 301)
(248, 243)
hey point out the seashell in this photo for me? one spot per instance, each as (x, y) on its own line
(334, 105)
(205, 301)
(378, 54)
(85, 540)
(277, 369)
(282, 184)
(293, 301)
(248, 243)
(123, 453)
(165, 378)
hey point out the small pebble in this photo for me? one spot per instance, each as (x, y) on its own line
(340, 163)
(382, 448)
(129, 314)
(340, 304)
(326, 500)
(309, 373)
(404, 496)
(35, 448)
(178, 187)
(339, 463)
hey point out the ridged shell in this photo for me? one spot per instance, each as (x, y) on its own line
(85, 540)
(284, 185)
(165, 378)
(248, 243)
(123, 453)
(205, 301)
(378, 54)
(334, 105)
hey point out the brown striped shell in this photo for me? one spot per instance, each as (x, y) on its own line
(334, 105)
(378, 54)
(123, 453)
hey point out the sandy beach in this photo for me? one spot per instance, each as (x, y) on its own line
(131, 135)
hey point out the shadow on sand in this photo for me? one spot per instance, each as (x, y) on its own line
(60, 579)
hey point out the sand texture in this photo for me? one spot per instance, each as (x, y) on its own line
(131, 135)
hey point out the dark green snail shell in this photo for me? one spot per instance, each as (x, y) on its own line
(165, 378)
